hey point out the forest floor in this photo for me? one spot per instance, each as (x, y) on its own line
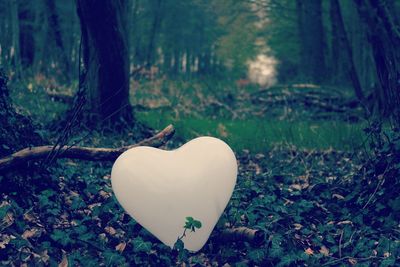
(302, 180)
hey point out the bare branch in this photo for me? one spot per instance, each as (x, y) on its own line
(82, 153)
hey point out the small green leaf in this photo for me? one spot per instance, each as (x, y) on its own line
(179, 245)
(257, 255)
(197, 224)
(139, 245)
(3, 211)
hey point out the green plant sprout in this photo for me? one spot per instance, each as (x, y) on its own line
(190, 224)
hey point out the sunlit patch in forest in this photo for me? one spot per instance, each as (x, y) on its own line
(262, 135)
(262, 70)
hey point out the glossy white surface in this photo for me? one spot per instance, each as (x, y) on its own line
(159, 188)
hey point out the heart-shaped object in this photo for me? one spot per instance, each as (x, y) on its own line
(159, 188)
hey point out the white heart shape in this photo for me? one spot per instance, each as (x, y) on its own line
(159, 188)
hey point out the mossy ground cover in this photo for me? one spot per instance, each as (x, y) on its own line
(308, 184)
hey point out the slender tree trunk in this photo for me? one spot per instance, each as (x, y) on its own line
(26, 33)
(344, 43)
(188, 68)
(154, 29)
(312, 41)
(105, 58)
(133, 32)
(15, 48)
(41, 29)
(177, 62)
(384, 36)
(54, 23)
(338, 62)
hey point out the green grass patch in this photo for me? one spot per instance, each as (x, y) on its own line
(259, 135)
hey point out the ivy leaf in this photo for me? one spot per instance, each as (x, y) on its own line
(3, 211)
(179, 245)
(257, 255)
(61, 237)
(112, 258)
(139, 245)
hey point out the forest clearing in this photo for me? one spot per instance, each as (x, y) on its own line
(305, 93)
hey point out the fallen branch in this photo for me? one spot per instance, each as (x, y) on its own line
(60, 96)
(253, 236)
(82, 153)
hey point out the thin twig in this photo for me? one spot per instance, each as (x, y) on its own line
(340, 243)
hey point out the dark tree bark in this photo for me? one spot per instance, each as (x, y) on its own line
(312, 41)
(56, 32)
(15, 40)
(26, 33)
(154, 29)
(384, 36)
(342, 46)
(105, 58)
(338, 62)
(16, 130)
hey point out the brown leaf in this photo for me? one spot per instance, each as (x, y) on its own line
(30, 233)
(64, 261)
(297, 226)
(8, 219)
(309, 251)
(353, 261)
(324, 251)
(345, 222)
(297, 187)
(44, 256)
(29, 217)
(222, 130)
(120, 247)
(5, 239)
(104, 194)
(340, 197)
(110, 230)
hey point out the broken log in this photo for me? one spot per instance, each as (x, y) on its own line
(62, 97)
(240, 234)
(82, 153)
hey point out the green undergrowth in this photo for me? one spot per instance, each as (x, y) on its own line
(316, 208)
(319, 199)
(260, 134)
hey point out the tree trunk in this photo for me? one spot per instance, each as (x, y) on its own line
(384, 36)
(339, 32)
(154, 29)
(15, 52)
(26, 33)
(105, 58)
(311, 36)
(55, 27)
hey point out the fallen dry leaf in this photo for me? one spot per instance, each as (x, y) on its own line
(309, 251)
(324, 251)
(120, 247)
(30, 233)
(110, 230)
(340, 197)
(64, 261)
(345, 222)
(297, 226)
(353, 261)
(222, 130)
